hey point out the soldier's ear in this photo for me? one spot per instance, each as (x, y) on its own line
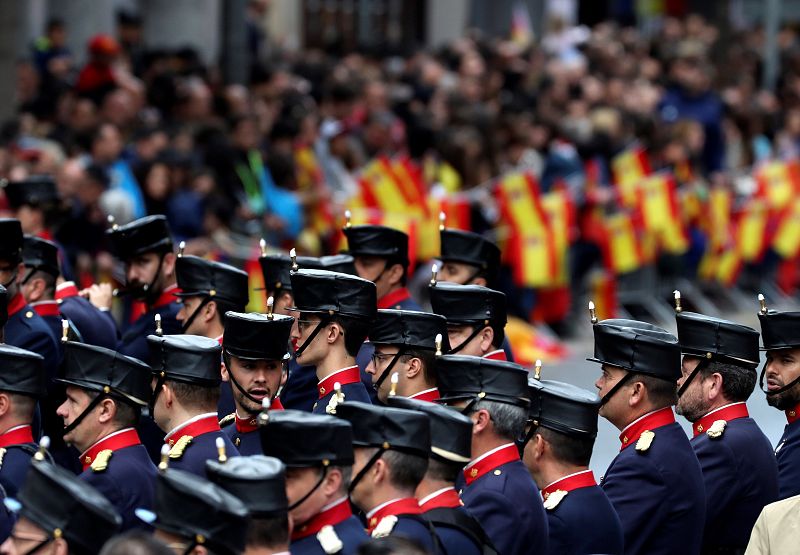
(60, 547)
(395, 274)
(5, 404)
(168, 266)
(487, 337)
(481, 421)
(414, 367)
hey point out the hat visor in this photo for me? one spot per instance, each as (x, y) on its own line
(597, 360)
(449, 455)
(779, 347)
(80, 383)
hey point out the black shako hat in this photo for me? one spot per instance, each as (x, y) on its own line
(37, 190)
(409, 328)
(342, 263)
(198, 277)
(40, 255)
(716, 339)
(564, 408)
(255, 336)
(387, 428)
(637, 347)
(780, 330)
(469, 304)
(470, 248)
(301, 439)
(470, 378)
(257, 481)
(277, 268)
(103, 370)
(334, 293)
(65, 506)
(186, 358)
(148, 234)
(23, 372)
(377, 240)
(193, 508)
(451, 431)
(3, 306)
(10, 240)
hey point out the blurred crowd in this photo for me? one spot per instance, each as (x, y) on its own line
(136, 131)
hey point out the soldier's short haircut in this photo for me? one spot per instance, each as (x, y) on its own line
(135, 542)
(508, 420)
(268, 532)
(22, 406)
(126, 416)
(195, 396)
(355, 332)
(737, 383)
(662, 393)
(576, 451)
(49, 281)
(347, 476)
(443, 471)
(428, 359)
(406, 471)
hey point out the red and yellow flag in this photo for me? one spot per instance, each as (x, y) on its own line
(778, 182)
(622, 252)
(628, 169)
(661, 216)
(751, 230)
(787, 236)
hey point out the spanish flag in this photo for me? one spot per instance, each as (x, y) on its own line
(660, 214)
(787, 237)
(751, 230)
(629, 168)
(778, 182)
(560, 211)
(622, 252)
(604, 294)
(718, 220)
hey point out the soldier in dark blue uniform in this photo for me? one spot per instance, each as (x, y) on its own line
(192, 512)
(260, 483)
(95, 326)
(405, 343)
(255, 352)
(318, 453)
(558, 444)
(391, 439)
(739, 468)
(381, 256)
(781, 337)
(22, 383)
(106, 392)
(56, 507)
(335, 313)
(451, 445)
(208, 290)
(476, 318)
(655, 483)
(145, 246)
(186, 374)
(498, 490)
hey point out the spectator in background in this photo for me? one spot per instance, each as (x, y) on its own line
(106, 151)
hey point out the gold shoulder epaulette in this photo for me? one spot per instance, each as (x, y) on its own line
(180, 446)
(553, 499)
(329, 540)
(385, 526)
(645, 441)
(100, 462)
(227, 419)
(336, 398)
(716, 429)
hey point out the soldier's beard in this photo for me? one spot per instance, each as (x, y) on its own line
(691, 407)
(785, 400)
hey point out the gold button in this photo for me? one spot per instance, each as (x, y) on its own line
(699, 427)
(792, 413)
(373, 521)
(498, 472)
(625, 439)
(473, 472)
(171, 442)
(88, 460)
(322, 391)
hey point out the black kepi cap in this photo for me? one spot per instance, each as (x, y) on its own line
(779, 330)
(148, 234)
(637, 347)
(10, 240)
(470, 248)
(300, 439)
(103, 370)
(37, 190)
(377, 240)
(409, 328)
(324, 292)
(469, 378)
(186, 358)
(198, 510)
(717, 339)
(64, 506)
(23, 372)
(198, 277)
(387, 428)
(257, 481)
(564, 408)
(256, 336)
(40, 255)
(468, 304)
(451, 431)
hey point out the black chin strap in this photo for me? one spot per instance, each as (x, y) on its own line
(145, 291)
(162, 377)
(524, 440)
(322, 323)
(190, 546)
(783, 389)
(75, 423)
(226, 357)
(190, 319)
(385, 373)
(607, 397)
(475, 331)
(363, 472)
(38, 546)
(302, 500)
(9, 282)
(700, 365)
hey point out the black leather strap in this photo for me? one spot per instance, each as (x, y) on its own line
(463, 522)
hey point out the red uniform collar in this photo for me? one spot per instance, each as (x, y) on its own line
(404, 506)
(16, 304)
(583, 479)
(391, 300)
(329, 517)
(499, 354)
(166, 297)
(344, 376)
(792, 415)
(447, 499)
(651, 421)
(219, 339)
(247, 425)
(429, 395)
(117, 440)
(729, 412)
(490, 461)
(16, 436)
(66, 290)
(199, 427)
(46, 308)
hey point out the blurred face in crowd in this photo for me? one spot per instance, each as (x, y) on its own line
(259, 378)
(458, 272)
(377, 270)
(692, 404)
(107, 146)
(245, 135)
(783, 367)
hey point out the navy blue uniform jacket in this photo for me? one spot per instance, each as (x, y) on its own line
(201, 448)
(347, 527)
(96, 326)
(788, 454)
